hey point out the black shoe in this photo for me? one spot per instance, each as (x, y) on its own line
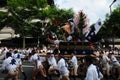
(25, 77)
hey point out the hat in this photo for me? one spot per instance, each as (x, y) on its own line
(111, 52)
(33, 52)
(50, 51)
(70, 20)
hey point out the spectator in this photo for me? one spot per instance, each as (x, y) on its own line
(104, 61)
(115, 64)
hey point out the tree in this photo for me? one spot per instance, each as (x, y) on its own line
(3, 16)
(82, 24)
(21, 13)
(111, 26)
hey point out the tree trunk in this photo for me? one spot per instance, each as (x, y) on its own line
(38, 42)
(23, 41)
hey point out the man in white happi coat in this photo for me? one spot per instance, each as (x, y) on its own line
(38, 67)
(74, 63)
(62, 68)
(51, 59)
(18, 56)
(10, 65)
(93, 72)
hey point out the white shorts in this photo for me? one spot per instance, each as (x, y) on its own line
(106, 66)
(12, 70)
(75, 67)
(63, 75)
(52, 67)
(115, 65)
(39, 66)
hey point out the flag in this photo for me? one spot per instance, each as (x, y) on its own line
(94, 30)
(90, 35)
(98, 25)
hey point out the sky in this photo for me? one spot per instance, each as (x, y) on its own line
(94, 9)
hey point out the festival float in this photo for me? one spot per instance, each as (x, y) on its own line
(79, 38)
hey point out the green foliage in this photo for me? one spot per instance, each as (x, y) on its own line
(59, 15)
(82, 20)
(28, 3)
(112, 24)
(3, 16)
(82, 24)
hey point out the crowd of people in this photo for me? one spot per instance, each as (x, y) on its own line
(97, 66)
